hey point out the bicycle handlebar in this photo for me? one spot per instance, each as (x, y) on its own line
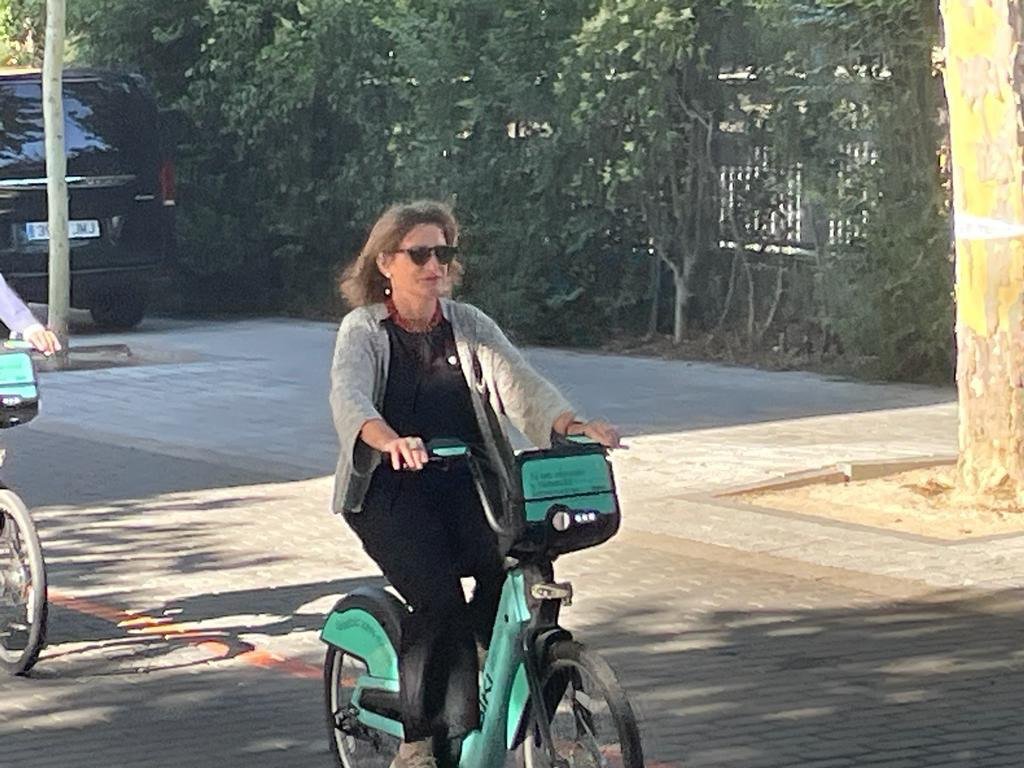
(19, 345)
(446, 452)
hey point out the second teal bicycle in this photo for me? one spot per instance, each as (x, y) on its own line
(545, 699)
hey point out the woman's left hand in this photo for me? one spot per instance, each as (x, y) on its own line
(601, 431)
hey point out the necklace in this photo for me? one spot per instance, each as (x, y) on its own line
(414, 326)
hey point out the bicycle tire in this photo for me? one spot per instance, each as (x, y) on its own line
(23, 574)
(569, 668)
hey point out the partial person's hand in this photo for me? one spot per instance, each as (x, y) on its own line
(606, 434)
(43, 339)
(407, 453)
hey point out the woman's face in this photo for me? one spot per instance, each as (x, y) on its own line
(409, 280)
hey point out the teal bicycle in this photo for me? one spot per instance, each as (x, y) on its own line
(546, 701)
(23, 606)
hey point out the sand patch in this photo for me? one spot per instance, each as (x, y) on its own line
(921, 501)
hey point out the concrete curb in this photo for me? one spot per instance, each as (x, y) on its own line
(88, 357)
(842, 472)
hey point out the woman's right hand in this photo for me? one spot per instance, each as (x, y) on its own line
(42, 339)
(407, 453)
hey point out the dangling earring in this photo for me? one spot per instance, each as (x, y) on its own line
(387, 288)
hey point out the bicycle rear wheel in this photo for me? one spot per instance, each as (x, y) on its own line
(23, 605)
(352, 743)
(592, 721)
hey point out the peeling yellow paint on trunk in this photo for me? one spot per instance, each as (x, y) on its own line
(987, 176)
(983, 88)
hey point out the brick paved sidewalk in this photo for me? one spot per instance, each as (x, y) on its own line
(182, 508)
(733, 659)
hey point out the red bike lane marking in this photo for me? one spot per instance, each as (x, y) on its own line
(216, 644)
(219, 648)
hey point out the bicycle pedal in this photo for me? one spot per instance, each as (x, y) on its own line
(561, 591)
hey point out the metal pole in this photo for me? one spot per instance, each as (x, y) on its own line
(56, 171)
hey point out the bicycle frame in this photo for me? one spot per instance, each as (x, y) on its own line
(504, 688)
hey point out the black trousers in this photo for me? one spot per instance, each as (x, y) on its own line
(426, 530)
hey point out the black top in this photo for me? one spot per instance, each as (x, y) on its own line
(426, 393)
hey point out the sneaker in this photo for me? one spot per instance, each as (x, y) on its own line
(418, 754)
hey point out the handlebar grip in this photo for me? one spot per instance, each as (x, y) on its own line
(447, 451)
(581, 440)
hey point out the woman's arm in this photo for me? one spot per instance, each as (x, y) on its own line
(16, 315)
(360, 427)
(530, 401)
(353, 373)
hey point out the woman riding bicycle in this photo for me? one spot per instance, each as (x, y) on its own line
(410, 366)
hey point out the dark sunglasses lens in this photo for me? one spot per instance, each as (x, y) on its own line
(419, 256)
(422, 254)
(445, 253)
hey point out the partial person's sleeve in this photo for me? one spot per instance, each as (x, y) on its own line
(531, 402)
(14, 313)
(352, 383)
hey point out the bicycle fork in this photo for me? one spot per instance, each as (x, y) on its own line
(535, 645)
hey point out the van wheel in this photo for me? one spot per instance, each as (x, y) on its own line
(120, 308)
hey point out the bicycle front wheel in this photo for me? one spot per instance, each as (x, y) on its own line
(592, 721)
(22, 587)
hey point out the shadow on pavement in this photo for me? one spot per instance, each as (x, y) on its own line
(203, 715)
(57, 470)
(188, 704)
(224, 616)
(122, 547)
(929, 683)
(918, 683)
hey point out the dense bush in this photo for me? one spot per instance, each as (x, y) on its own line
(581, 142)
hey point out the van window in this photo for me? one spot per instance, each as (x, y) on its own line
(105, 125)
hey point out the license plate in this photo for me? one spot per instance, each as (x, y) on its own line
(77, 229)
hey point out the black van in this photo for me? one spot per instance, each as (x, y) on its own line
(120, 184)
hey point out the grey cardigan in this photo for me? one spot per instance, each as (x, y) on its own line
(493, 367)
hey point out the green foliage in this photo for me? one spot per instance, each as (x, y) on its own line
(22, 30)
(573, 135)
(860, 77)
(643, 88)
(488, 127)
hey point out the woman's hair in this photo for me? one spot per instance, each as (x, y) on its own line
(361, 282)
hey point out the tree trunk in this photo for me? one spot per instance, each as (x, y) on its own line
(680, 280)
(679, 322)
(56, 171)
(983, 86)
(652, 320)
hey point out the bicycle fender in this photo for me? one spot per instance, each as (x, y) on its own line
(367, 623)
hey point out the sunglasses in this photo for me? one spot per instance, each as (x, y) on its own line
(421, 254)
